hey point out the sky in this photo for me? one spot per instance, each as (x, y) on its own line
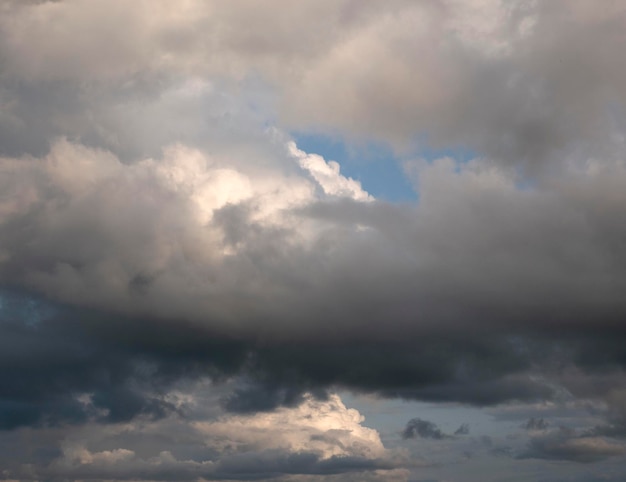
(312, 241)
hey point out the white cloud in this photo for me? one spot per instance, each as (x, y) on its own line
(328, 176)
(156, 218)
(325, 427)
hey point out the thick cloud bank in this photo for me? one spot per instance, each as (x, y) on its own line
(161, 230)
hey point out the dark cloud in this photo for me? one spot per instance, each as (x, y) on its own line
(417, 427)
(615, 415)
(52, 354)
(535, 424)
(258, 466)
(259, 398)
(565, 444)
(124, 368)
(271, 465)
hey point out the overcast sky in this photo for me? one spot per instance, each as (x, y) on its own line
(313, 240)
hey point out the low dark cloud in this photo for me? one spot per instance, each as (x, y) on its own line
(54, 353)
(259, 397)
(124, 367)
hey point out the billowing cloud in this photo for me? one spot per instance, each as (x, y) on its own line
(521, 81)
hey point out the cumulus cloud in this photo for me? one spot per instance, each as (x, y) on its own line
(328, 177)
(106, 229)
(521, 81)
(326, 427)
(210, 208)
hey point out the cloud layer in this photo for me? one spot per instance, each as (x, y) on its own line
(160, 227)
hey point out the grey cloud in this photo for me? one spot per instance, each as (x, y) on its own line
(472, 302)
(157, 231)
(615, 415)
(260, 397)
(502, 451)
(128, 364)
(519, 82)
(535, 424)
(564, 444)
(258, 466)
(272, 465)
(486, 440)
(478, 392)
(417, 427)
(213, 446)
(124, 367)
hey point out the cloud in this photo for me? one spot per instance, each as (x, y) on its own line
(417, 427)
(328, 177)
(535, 424)
(424, 429)
(614, 416)
(217, 251)
(159, 226)
(564, 444)
(316, 438)
(327, 427)
(522, 82)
